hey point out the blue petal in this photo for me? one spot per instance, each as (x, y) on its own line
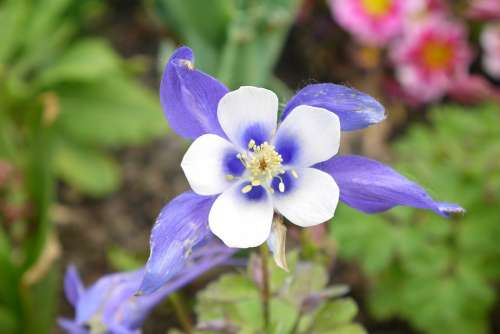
(355, 110)
(94, 297)
(203, 258)
(71, 327)
(73, 287)
(369, 186)
(190, 97)
(181, 225)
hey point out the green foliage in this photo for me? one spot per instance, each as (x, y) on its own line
(80, 85)
(438, 274)
(65, 100)
(300, 301)
(238, 42)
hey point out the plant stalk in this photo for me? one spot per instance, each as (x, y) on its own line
(181, 313)
(265, 291)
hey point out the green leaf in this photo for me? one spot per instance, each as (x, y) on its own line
(8, 321)
(86, 169)
(122, 260)
(308, 278)
(230, 288)
(356, 233)
(113, 111)
(347, 329)
(85, 60)
(13, 14)
(46, 16)
(335, 314)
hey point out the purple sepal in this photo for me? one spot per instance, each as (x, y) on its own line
(369, 186)
(181, 225)
(105, 293)
(111, 303)
(71, 327)
(73, 287)
(190, 97)
(355, 109)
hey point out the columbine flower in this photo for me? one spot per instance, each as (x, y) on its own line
(430, 56)
(257, 167)
(246, 163)
(371, 21)
(111, 306)
(490, 41)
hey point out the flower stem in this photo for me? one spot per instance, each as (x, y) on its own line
(181, 313)
(296, 323)
(265, 292)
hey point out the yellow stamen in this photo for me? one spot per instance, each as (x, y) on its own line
(263, 164)
(246, 189)
(188, 64)
(294, 173)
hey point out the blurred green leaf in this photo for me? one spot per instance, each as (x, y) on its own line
(87, 169)
(334, 314)
(87, 59)
(113, 111)
(437, 274)
(13, 16)
(121, 260)
(8, 321)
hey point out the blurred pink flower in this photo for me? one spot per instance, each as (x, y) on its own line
(490, 41)
(430, 57)
(472, 89)
(371, 21)
(484, 9)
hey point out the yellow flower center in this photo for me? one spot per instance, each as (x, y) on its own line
(263, 164)
(376, 7)
(437, 54)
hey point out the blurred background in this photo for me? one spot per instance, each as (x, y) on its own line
(87, 160)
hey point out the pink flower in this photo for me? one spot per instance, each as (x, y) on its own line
(371, 21)
(430, 56)
(484, 9)
(472, 89)
(490, 41)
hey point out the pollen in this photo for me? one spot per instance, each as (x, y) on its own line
(263, 163)
(189, 64)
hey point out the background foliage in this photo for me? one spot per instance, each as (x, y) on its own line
(439, 274)
(66, 98)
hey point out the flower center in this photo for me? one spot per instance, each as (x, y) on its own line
(376, 7)
(263, 164)
(437, 54)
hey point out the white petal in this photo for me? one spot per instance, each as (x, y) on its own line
(203, 164)
(311, 200)
(248, 111)
(308, 135)
(240, 222)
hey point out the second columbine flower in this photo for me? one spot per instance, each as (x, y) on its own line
(259, 168)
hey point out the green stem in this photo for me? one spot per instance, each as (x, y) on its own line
(296, 323)
(181, 313)
(265, 291)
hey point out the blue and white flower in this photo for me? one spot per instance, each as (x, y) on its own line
(259, 168)
(246, 163)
